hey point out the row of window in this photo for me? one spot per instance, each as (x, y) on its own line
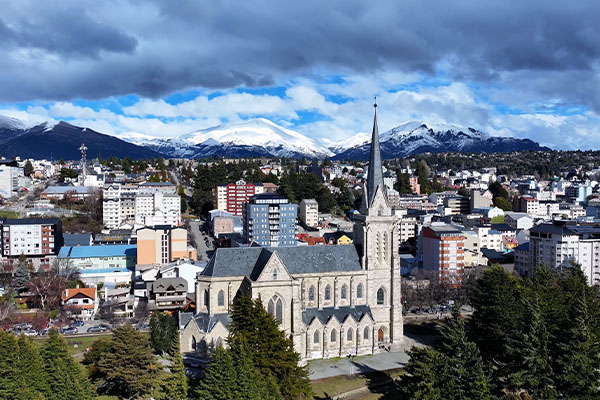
(344, 293)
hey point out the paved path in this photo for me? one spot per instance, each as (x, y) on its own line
(319, 369)
(201, 248)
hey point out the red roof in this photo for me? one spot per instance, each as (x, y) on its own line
(70, 293)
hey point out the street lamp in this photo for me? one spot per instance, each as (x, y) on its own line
(351, 357)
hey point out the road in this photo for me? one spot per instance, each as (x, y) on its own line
(201, 248)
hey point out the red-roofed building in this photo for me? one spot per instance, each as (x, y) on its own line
(80, 302)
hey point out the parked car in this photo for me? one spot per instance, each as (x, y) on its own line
(143, 327)
(96, 329)
(30, 332)
(44, 331)
(69, 331)
(78, 323)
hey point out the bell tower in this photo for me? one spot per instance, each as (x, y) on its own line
(377, 240)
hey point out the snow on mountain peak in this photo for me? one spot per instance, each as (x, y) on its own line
(259, 132)
(11, 123)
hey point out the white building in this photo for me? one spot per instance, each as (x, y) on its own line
(560, 244)
(157, 209)
(9, 181)
(309, 212)
(518, 220)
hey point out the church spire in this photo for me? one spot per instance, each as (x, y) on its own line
(375, 175)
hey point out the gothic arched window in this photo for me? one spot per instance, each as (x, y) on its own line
(275, 271)
(206, 301)
(311, 293)
(381, 296)
(221, 298)
(366, 333)
(349, 335)
(279, 310)
(359, 291)
(327, 292)
(333, 336)
(316, 337)
(344, 291)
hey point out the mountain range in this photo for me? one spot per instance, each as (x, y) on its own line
(252, 138)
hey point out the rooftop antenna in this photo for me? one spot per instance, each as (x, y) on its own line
(83, 150)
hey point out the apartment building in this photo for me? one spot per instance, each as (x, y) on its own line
(457, 204)
(309, 212)
(33, 237)
(162, 245)
(443, 252)
(560, 244)
(9, 180)
(157, 187)
(529, 205)
(159, 208)
(270, 220)
(232, 196)
(481, 199)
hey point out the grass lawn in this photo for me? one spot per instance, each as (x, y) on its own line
(335, 385)
(8, 214)
(82, 343)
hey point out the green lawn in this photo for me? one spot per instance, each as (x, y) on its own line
(8, 214)
(77, 345)
(335, 385)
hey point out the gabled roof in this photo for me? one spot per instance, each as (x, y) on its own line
(249, 261)
(206, 322)
(341, 314)
(162, 285)
(87, 292)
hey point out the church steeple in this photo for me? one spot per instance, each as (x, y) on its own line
(375, 175)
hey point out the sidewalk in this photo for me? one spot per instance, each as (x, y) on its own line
(319, 369)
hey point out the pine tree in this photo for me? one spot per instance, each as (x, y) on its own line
(22, 277)
(128, 367)
(28, 168)
(31, 368)
(163, 330)
(272, 351)
(423, 372)
(250, 384)
(64, 377)
(9, 367)
(467, 379)
(219, 381)
(578, 364)
(529, 367)
(174, 383)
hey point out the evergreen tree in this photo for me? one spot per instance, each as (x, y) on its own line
(128, 368)
(10, 383)
(31, 368)
(250, 384)
(28, 168)
(163, 330)
(496, 299)
(423, 373)
(174, 384)
(64, 377)
(466, 380)
(22, 277)
(578, 364)
(272, 351)
(219, 381)
(529, 367)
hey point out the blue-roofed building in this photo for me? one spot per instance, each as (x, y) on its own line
(110, 264)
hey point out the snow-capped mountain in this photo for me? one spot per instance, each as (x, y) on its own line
(252, 138)
(52, 140)
(417, 137)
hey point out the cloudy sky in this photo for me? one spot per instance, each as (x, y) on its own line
(163, 68)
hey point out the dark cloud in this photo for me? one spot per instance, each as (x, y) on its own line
(98, 49)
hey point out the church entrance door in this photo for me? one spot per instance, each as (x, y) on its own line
(380, 335)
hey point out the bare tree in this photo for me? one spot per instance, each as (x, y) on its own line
(47, 289)
(141, 313)
(7, 307)
(108, 310)
(93, 204)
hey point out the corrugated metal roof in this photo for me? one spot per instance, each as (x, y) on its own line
(116, 250)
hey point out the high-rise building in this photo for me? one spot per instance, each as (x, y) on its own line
(162, 245)
(152, 209)
(309, 212)
(39, 239)
(443, 252)
(270, 220)
(232, 196)
(9, 180)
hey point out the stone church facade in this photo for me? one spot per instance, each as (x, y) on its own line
(332, 300)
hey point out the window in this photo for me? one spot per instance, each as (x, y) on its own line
(221, 299)
(344, 292)
(359, 291)
(311, 293)
(316, 337)
(275, 308)
(380, 296)
(349, 335)
(333, 336)
(206, 298)
(327, 292)
(366, 333)
(275, 274)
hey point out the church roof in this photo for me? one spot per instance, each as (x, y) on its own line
(250, 261)
(204, 321)
(341, 313)
(375, 173)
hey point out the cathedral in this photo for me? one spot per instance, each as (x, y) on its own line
(333, 301)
